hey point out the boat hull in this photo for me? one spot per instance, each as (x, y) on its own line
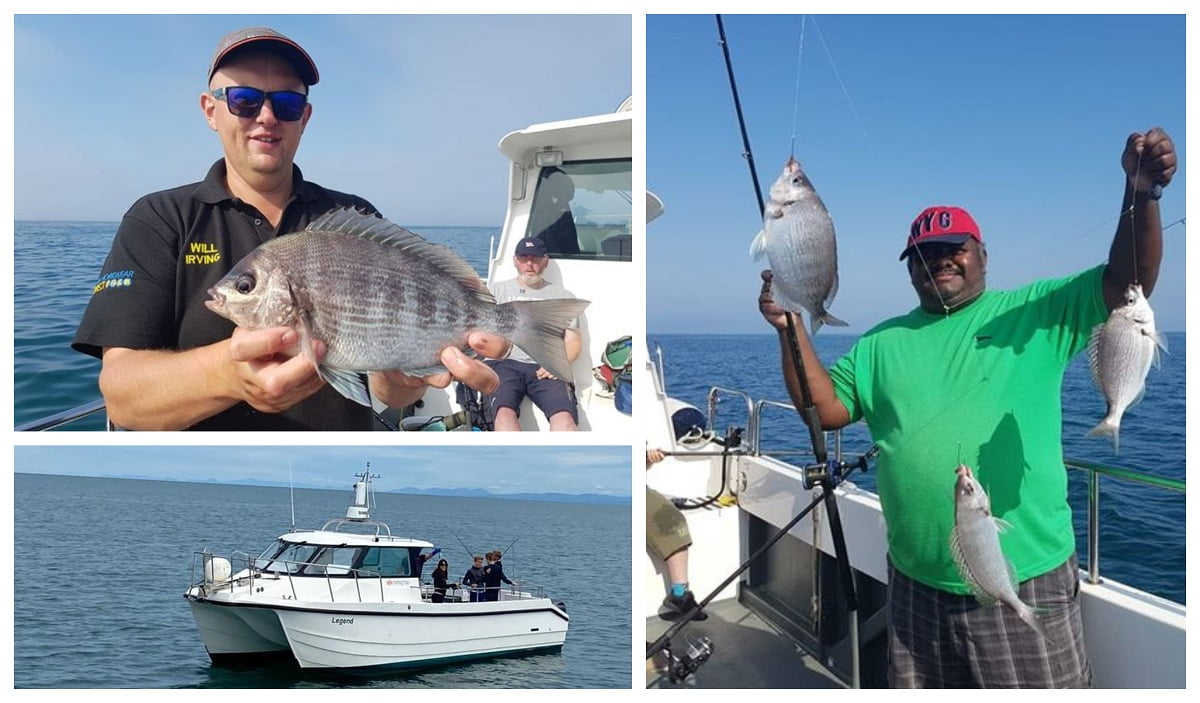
(355, 635)
(345, 639)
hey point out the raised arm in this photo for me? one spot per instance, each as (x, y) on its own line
(1148, 160)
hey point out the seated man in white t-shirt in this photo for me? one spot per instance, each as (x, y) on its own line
(520, 375)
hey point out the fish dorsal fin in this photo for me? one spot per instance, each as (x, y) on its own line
(964, 570)
(351, 222)
(1093, 350)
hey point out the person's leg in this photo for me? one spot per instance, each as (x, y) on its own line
(506, 401)
(921, 650)
(556, 400)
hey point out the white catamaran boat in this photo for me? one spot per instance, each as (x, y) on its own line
(784, 622)
(333, 598)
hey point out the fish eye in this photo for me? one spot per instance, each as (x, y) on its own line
(244, 283)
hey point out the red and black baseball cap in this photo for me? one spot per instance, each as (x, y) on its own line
(266, 39)
(941, 223)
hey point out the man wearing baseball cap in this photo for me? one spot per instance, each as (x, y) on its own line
(519, 374)
(973, 376)
(168, 362)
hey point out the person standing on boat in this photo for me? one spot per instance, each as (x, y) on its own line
(974, 376)
(493, 575)
(169, 363)
(519, 374)
(441, 575)
(474, 580)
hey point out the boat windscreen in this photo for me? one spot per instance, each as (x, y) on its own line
(583, 210)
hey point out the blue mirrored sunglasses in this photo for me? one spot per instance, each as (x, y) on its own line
(243, 101)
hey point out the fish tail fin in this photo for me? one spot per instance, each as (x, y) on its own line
(759, 246)
(539, 328)
(1108, 427)
(826, 318)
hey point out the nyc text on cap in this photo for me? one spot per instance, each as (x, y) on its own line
(941, 223)
(270, 40)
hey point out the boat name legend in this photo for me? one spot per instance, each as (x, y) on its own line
(342, 621)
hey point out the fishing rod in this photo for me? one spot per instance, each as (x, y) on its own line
(510, 544)
(809, 412)
(825, 474)
(470, 554)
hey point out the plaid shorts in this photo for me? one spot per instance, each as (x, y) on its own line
(938, 639)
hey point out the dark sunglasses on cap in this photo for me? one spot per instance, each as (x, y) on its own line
(244, 101)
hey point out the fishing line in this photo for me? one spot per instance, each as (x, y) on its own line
(1132, 206)
(796, 98)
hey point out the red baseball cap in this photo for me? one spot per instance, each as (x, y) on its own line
(941, 223)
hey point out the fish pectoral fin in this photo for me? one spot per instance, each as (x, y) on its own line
(349, 383)
(758, 247)
(1001, 524)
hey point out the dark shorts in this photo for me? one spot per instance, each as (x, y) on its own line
(943, 640)
(519, 379)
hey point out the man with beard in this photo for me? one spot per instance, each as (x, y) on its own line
(519, 374)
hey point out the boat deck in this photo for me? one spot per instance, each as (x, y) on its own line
(747, 653)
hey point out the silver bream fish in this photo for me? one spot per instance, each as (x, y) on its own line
(797, 238)
(380, 298)
(975, 544)
(1121, 351)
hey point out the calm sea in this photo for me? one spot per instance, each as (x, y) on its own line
(1141, 527)
(101, 566)
(56, 264)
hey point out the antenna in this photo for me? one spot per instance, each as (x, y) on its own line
(292, 494)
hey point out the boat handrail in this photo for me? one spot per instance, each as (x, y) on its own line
(1094, 471)
(713, 401)
(65, 417)
(340, 521)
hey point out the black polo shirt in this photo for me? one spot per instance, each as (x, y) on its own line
(171, 247)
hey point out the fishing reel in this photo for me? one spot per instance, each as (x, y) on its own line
(697, 652)
(833, 471)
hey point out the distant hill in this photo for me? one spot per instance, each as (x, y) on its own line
(544, 497)
(592, 498)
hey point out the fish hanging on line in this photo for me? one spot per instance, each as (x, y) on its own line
(1121, 352)
(381, 298)
(798, 240)
(975, 545)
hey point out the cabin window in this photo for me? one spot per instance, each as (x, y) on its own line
(331, 561)
(583, 210)
(291, 558)
(390, 561)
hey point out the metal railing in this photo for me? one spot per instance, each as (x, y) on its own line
(1094, 472)
(248, 564)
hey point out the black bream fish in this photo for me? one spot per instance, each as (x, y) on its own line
(1121, 352)
(380, 298)
(797, 237)
(975, 545)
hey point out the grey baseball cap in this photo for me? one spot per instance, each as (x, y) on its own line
(269, 40)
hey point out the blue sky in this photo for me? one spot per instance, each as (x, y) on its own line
(575, 469)
(1020, 119)
(407, 113)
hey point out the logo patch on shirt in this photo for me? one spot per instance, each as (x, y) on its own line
(201, 254)
(116, 279)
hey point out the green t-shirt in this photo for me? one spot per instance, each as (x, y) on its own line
(986, 378)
